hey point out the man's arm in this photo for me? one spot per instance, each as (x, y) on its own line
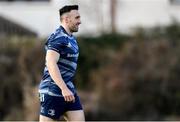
(52, 58)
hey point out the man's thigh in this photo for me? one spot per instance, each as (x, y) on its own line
(45, 119)
(51, 107)
(77, 115)
(74, 110)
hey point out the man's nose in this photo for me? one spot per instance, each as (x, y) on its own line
(79, 22)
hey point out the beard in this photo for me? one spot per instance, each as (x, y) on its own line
(74, 28)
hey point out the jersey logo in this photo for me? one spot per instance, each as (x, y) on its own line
(69, 45)
(72, 55)
(51, 112)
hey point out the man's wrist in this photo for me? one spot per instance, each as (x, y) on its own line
(63, 86)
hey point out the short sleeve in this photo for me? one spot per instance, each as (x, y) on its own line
(57, 44)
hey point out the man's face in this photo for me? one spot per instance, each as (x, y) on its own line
(74, 20)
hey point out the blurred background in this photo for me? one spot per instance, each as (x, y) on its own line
(129, 60)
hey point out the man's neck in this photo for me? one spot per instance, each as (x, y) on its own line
(66, 29)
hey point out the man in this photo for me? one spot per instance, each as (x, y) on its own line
(57, 93)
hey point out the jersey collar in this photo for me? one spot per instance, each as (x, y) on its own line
(62, 28)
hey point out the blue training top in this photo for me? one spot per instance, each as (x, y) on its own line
(66, 45)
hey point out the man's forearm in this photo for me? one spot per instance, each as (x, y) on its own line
(56, 75)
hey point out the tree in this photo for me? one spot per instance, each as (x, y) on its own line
(113, 7)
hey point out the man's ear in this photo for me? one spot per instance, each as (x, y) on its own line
(66, 18)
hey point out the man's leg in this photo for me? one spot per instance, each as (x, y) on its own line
(45, 119)
(77, 115)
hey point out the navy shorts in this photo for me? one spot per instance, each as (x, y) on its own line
(54, 107)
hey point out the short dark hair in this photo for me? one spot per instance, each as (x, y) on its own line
(67, 9)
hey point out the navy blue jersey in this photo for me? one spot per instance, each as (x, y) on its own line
(66, 45)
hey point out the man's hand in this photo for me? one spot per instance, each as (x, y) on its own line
(68, 95)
